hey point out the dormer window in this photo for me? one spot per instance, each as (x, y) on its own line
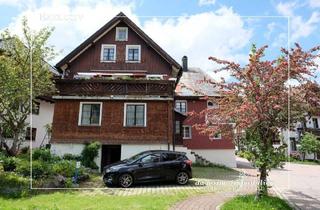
(133, 53)
(108, 53)
(121, 34)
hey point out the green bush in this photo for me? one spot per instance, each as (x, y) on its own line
(89, 153)
(246, 154)
(13, 186)
(40, 169)
(9, 164)
(25, 150)
(69, 156)
(66, 168)
(42, 154)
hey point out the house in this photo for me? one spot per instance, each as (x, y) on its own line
(311, 124)
(190, 97)
(118, 88)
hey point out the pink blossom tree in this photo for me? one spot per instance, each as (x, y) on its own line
(261, 99)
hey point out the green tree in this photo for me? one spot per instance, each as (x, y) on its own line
(24, 75)
(309, 144)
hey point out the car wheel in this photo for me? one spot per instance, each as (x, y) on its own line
(125, 180)
(182, 178)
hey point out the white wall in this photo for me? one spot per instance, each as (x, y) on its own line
(39, 121)
(219, 156)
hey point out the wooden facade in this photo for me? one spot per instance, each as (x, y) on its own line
(157, 95)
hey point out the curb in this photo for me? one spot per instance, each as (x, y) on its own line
(282, 196)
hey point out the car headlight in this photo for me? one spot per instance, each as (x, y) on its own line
(108, 170)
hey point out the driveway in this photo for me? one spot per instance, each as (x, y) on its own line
(299, 184)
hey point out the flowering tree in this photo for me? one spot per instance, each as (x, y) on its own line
(261, 99)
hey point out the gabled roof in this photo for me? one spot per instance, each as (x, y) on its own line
(121, 17)
(196, 82)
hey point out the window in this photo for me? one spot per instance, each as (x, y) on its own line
(154, 158)
(315, 123)
(168, 157)
(121, 34)
(28, 134)
(108, 53)
(90, 113)
(177, 127)
(211, 105)
(181, 106)
(133, 53)
(35, 108)
(216, 136)
(187, 132)
(135, 114)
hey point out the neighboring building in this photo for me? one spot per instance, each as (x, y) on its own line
(294, 135)
(190, 94)
(117, 88)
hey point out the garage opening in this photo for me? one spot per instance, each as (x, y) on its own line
(110, 154)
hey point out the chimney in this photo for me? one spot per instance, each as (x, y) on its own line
(185, 63)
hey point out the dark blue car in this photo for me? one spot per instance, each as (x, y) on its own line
(149, 166)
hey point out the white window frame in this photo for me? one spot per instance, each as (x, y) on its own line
(80, 113)
(179, 101)
(127, 53)
(108, 46)
(216, 138)
(117, 33)
(215, 106)
(190, 129)
(125, 115)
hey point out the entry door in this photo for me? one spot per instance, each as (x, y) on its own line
(110, 154)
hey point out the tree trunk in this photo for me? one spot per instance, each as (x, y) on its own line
(262, 186)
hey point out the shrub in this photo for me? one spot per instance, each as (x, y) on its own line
(41, 154)
(40, 169)
(24, 150)
(66, 168)
(69, 156)
(89, 153)
(9, 164)
(12, 185)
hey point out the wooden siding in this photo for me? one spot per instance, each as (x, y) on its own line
(112, 131)
(103, 87)
(200, 141)
(89, 60)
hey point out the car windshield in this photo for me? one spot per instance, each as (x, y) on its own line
(136, 157)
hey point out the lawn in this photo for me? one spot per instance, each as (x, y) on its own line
(247, 202)
(114, 198)
(78, 200)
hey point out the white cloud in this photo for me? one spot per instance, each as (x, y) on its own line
(206, 2)
(286, 8)
(299, 26)
(73, 21)
(314, 3)
(221, 34)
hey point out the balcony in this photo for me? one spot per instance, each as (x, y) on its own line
(315, 131)
(104, 87)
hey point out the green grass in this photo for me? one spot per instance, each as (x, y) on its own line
(247, 202)
(214, 172)
(78, 200)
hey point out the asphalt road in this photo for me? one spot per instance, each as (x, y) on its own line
(299, 184)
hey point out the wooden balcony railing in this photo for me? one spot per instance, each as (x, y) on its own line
(103, 87)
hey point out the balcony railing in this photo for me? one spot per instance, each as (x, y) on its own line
(103, 87)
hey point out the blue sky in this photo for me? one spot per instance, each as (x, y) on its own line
(196, 28)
